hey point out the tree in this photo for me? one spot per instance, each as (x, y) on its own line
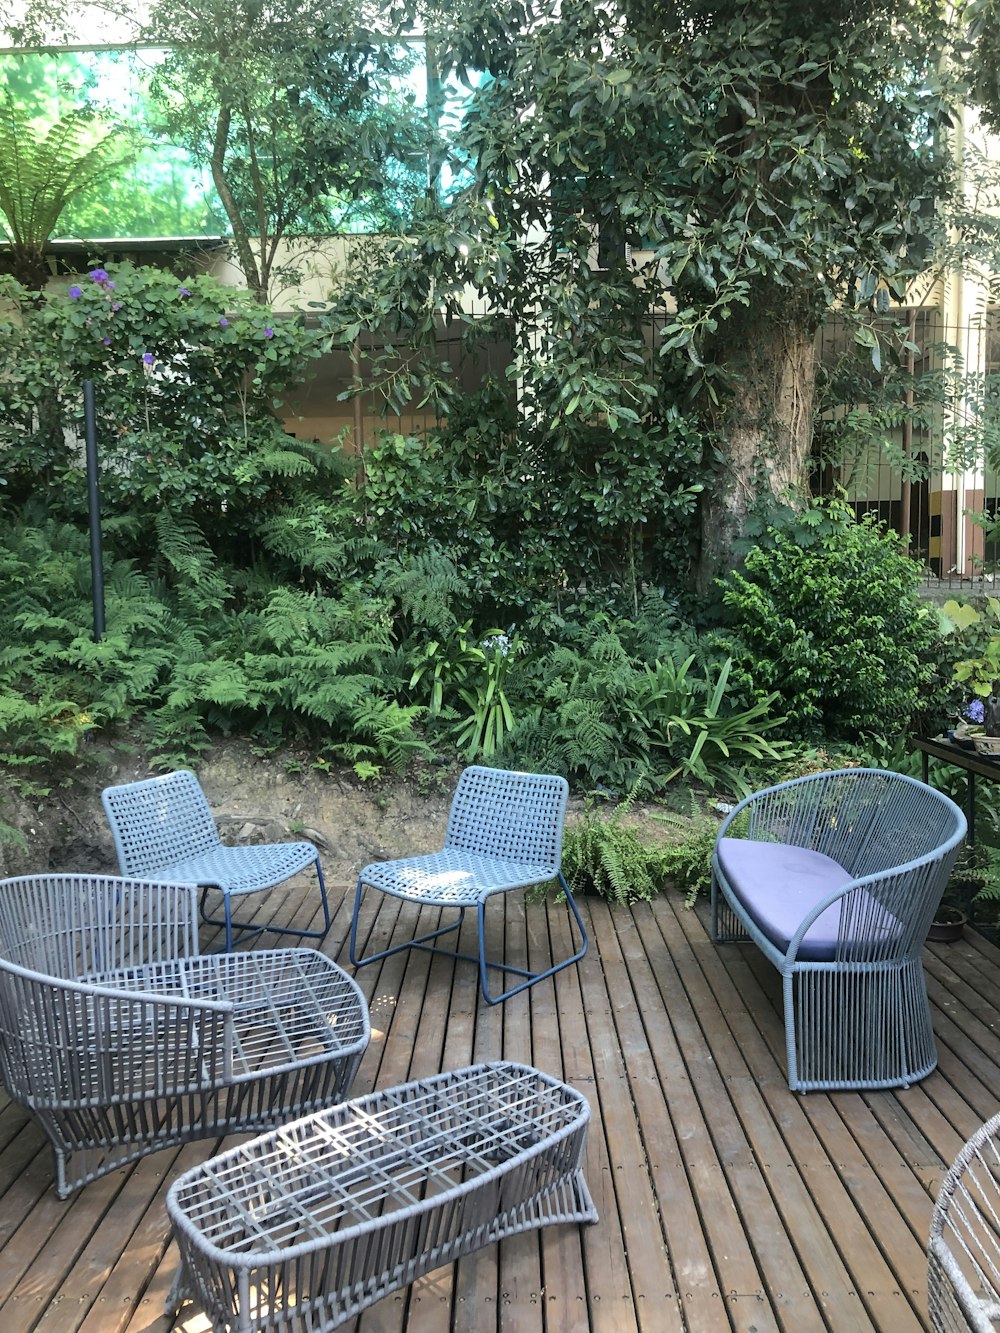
(295, 104)
(766, 162)
(984, 26)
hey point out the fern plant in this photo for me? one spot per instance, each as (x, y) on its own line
(40, 175)
(604, 855)
(687, 859)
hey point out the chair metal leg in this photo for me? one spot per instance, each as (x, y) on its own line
(245, 932)
(419, 943)
(422, 942)
(531, 977)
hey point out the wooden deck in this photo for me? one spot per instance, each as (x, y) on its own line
(726, 1202)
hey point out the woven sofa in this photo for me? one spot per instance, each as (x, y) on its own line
(121, 1039)
(835, 878)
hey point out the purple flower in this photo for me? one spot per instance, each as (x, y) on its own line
(75, 293)
(269, 333)
(99, 274)
(115, 305)
(107, 342)
(183, 291)
(974, 711)
(223, 323)
(148, 357)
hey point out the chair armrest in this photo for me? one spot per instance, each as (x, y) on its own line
(79, 1043)
(891, 914)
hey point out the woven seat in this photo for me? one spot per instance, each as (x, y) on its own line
(164, 830)
(963, 1266)
(121, 1039)
(504, 833)
(301, 1229)
(836, 877)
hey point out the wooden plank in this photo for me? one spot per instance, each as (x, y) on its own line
(696, 1144)
(841, 1258)
(562, 1292)
(633, 1236)
(477, 1276)
(715, 1268)
(757, 1265)
(38, 1258)
(519, 1266)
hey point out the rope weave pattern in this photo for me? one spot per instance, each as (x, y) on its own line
(121, 1039)
(163, 829)
(963, 1271)
(504, 832)
(303, 1228)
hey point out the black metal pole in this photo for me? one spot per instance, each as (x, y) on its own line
(94, 508)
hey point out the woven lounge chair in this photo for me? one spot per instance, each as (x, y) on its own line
(163, 829)
(504, 833)
(121, 1039)
(963, 1265)
(836, 877)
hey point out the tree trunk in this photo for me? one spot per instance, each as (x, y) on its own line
(241, 238)
(29, 267)
(766, 433)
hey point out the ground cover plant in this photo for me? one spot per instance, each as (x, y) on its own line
(262, 585)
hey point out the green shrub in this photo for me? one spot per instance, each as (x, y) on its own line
(701, 740)
(827, 616)
(610, 717)
(186, 377)
(603, 855)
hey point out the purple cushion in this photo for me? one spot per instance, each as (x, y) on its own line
(778, 884)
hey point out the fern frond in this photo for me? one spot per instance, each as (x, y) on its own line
(183, 546)
(427, 584)
(40, 175)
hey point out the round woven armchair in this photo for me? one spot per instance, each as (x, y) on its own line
(121, 1039)
(836, 877)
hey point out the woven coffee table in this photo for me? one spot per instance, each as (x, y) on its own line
(305, 1226)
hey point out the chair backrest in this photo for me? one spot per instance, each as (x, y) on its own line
(889, 819)
(159, 821)
(56, 931)
(69, 927)
(898, 835)
(509, 815)
(868, 820)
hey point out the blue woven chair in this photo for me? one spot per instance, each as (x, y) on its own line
(836, 878)
(164, 830)
(504, 833)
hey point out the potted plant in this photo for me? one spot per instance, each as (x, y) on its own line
(975, 879)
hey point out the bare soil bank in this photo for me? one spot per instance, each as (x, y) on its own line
(254, 799)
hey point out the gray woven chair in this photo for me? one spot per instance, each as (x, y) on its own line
(963, 1265)
(836, 877)
(504, 833)
(121, 1039)
(163, 829)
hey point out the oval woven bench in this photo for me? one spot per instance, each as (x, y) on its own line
(303, 1227)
